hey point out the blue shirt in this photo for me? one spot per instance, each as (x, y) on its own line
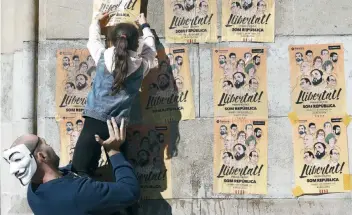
(75, 195)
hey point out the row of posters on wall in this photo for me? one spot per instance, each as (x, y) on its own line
(195, 21)
(240, 115)
(165, 95)
(318, 119)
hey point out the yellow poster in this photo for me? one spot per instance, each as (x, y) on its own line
(147, 152)
(239, 80)
(167, 90)
(75, 72)
(248, 20)
(119, 10)
(317, 80)
(240, 155)
(190, 21)
(70, 129)
(320, 154)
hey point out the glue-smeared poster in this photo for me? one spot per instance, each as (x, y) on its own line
(317, 80)
(320, 154)
(75, 72)
(147, 152)
(70, 129)
(190, 21)
(240, 155)
(167, 93)
(248, 20)
(239, 80)
(119, 10)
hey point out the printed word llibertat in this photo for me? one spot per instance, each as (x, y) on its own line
(129, 5)
(196, 21)
(229, 98)
(314, 170)
(246, 171)
(310, 96)
(73, 100)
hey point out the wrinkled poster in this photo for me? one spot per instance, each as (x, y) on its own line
(147, 152)
(239, 80)
(70, 129)
(190, 21)
(167, 93)
(240, 155)
(75, 72)
(248, 20)
(320, 154)
(317, 80)
(119, 10)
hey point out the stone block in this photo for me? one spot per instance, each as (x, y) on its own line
(274, 206)
(14, 204)
(284, 10)
(48, 128)
(66, 19)
(315, 18)
(6, 87)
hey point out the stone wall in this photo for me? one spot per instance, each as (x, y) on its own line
(64, 24)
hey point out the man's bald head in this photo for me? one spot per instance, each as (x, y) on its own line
(31, 141)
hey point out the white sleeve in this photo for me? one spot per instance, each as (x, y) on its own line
(148, 52)
(95, 45)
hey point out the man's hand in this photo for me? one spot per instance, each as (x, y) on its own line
(141, 19)
(116, 138)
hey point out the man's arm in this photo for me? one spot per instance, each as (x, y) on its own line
(108, 197)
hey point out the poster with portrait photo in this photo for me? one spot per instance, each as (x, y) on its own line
(320, 154)
(240, 155)
(317, 80)
(147, 152)
(167, 93)
(70, 129)
(239, 80)
(190, 21)
(248, 20)
(75, 73)
(119, 10)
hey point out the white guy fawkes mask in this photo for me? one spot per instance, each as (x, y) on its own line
(22, 163)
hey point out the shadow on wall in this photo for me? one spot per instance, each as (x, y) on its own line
(146, 149)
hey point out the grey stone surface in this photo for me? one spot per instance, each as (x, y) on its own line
(6, 87)
(274, 207)
(169, 207)
(14, 204)
(293, 17)
(315, 18)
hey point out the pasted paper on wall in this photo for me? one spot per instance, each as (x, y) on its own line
(119, 10)
(167, 90)
(248, 20)
(147, 152)
(239, 80)
(320, 154)
(240, 155)
(75, 72)
(317, 80)
(190, 21)
(70, 129)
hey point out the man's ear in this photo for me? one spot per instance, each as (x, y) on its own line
(41, 157)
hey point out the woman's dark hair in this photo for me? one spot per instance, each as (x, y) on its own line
(124, 37)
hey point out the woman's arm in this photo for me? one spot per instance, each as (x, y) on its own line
(95, 45)
(148, 52)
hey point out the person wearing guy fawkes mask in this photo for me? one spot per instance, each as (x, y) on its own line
(34, 163)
